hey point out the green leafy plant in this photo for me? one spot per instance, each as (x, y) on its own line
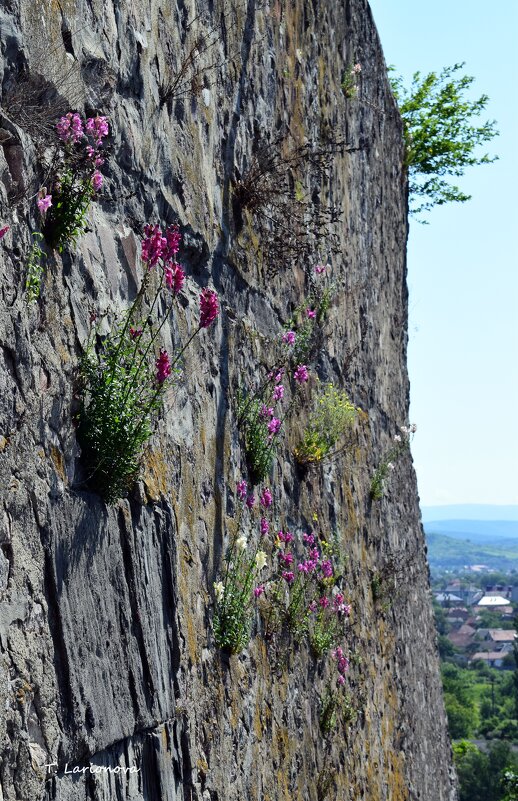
(233, 615)
(350, 80)
(124, 379)
(75, 178)
(332, 417)
(335, 705)
(441, 134)
(388, 462)
(259, 441)
(35, 269)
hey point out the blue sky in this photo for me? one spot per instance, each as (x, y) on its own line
(463, 266)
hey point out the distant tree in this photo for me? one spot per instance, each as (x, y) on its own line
(441, 138)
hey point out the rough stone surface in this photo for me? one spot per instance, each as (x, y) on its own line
(106, 650)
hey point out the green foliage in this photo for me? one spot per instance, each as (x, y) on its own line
(35, 268)
(388, 461)
(120, 396)
(441, 135)
(333, 416)
(350, 80)
(335, 706)
(233, 614)
(259, 445)
(482, 777)
(66, 219)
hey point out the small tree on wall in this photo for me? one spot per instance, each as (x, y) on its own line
(441, 134)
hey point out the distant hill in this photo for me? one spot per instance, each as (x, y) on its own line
(469, 511)
(478, 531)
(449, 553)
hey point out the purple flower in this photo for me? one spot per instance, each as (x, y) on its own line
(135, 333)
(97, 180)
(327, 568)
(340, 680)
(266, 498)
(70, 128)
(279, 375)
(174, 277)
(3, 231)
(265, 526)
(44, 203)
(288, 576)
(242, 489)
(324, 602)
(285, 537)
(173, 237)
(163, 367)
(313, 606)
(278, 392)
(266, 412)
(320, 268)
(274, 426)
(258, 591)
(98, 128)
(152, 245)
(311, 313)
(287, 558)
(289, 337)
(309, 539)
(301, 374)
(209, 308)
(250, 501)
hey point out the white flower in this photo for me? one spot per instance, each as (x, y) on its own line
(357, 69)
(391, 466)
(413, 428)
(219, 589)
(404, 429)
(397, 437)
(241, 543)
(260, 559)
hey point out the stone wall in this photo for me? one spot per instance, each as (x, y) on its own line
(106, 649)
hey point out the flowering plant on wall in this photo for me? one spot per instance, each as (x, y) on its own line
(76, 178)
(332, 417)
(124, 378)
(400, 444)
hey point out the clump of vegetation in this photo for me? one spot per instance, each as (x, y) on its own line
(401, 443)
(75, 178)
(35, 268)
(441, 134)
(124, 378)
(332, 417)
(350, 81)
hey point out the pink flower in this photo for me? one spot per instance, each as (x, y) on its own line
(70, 128)
(301, 374)
(314, 554)
(340, 681)
(173, 237)
(258, 591)
(90, 152)
(266, 498)
(3, 231)
(163, 367)
(324, 602)
(242, 489)
(135, 333)
(313, 606)
(99, 161)
(287, 558)
(97, 180)
(279, 375)
(265, 526)
(278, 392)
(44, 203)
(288, 576)
(289, 337)
(98, 128)
(357, 69)
(209, 308)
(311, 313)
(320, 268)
(327, 568)
(285, 537)
(274, 426)
(174, 277)
(309, 539)
(152, 245)
(250, 501)
(266, 412)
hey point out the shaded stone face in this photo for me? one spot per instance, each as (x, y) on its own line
(107, 656)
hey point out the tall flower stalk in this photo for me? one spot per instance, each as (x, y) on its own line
(125, 378)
